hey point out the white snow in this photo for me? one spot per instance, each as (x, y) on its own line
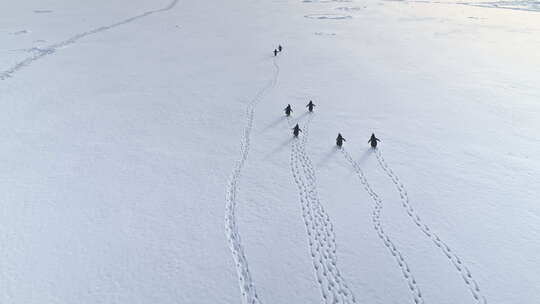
(146, 158)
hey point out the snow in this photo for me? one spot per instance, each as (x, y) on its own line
(135, 172)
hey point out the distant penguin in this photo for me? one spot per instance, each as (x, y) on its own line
(340, 140)
(280, 48)
(373, 140)
(310, 106)
(275, 52)
(296, 130)
(288, 110)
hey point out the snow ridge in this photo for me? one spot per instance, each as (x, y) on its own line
(452, 256)
(376, 217)
(48, 50)
(247, 287)
(319, 228)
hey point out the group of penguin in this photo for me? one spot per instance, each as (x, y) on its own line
(278, 50)
(339, 140)
(296, 130)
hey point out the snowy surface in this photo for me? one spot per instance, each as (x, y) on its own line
(146, 159)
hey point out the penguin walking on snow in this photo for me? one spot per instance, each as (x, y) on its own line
(288, 110)
(373, 141)
(340, 140)
(296, 130)
(310, 106)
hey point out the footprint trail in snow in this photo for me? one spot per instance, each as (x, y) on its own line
(48, 50)
(319, 228)
(376, 217)
(247, 287)
(446, 250)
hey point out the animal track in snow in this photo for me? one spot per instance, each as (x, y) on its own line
(51, 49)
(21, 32)
(30, 50)
(326, 1)
(328, 16)
(519, 5)
(350, 8)
(324, 34)
(247, 287)
(451, 255)
(377, 224)
(319, 228)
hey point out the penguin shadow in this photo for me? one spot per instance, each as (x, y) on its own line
(269, 56)
(327, 156)
(280, 147)
(301, 117)
(274, 124)
(364, 156)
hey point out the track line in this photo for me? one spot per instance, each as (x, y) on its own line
(247, 287)
(376, 218)
(321, 237)
(51, 49)
(458, 263)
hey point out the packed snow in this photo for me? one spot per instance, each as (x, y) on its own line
(146, 156)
